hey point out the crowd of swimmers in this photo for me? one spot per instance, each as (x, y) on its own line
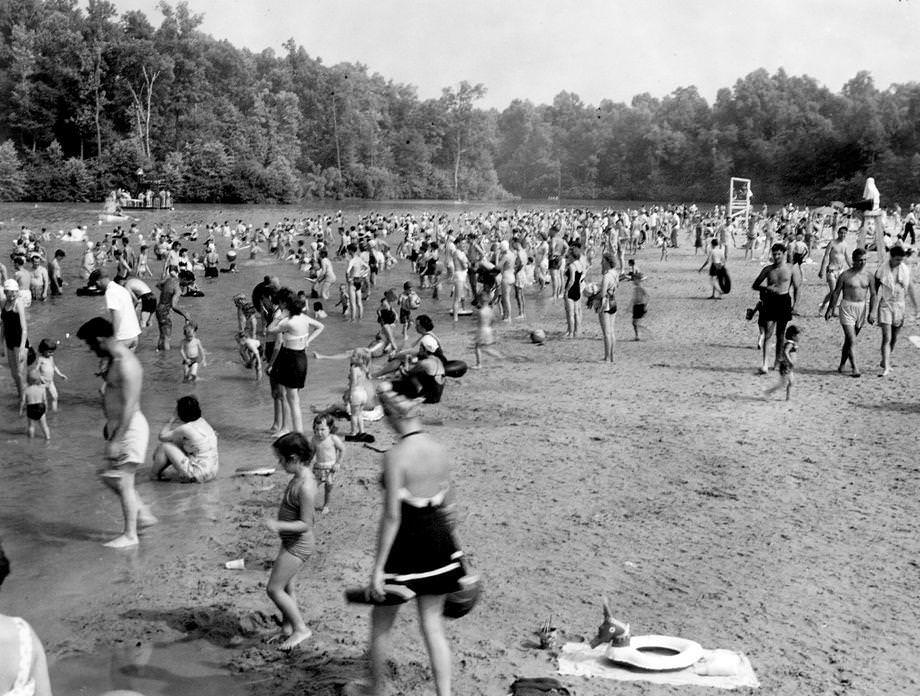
(488, 264)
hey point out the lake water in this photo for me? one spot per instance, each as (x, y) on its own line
(53, 511)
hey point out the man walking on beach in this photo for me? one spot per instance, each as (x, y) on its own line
(778, 287)
(126, 431)
(836, 258)
(892, 285)
(856, 285)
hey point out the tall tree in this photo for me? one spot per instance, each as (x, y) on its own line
(457, 103)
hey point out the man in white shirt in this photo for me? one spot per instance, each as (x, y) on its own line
(120, 306)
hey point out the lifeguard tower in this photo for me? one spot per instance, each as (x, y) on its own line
(739, 202)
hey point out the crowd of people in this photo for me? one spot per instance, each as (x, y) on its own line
(492, 264)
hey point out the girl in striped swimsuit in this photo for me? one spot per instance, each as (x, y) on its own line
(295, 527)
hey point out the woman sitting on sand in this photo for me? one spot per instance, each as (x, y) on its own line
(189, 448)
(23, 666)
(416, 548)
(425, 377)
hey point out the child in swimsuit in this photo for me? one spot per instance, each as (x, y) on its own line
(485, 336)
(193, 353)
(639, 302)
(786, 362)
(409, 301)
(295, 527)
(358, 385)
(343, 299)
(33, 405)
(249, 348)
(329, 450)
(47, 370)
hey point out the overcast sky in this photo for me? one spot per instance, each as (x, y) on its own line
(598, 49)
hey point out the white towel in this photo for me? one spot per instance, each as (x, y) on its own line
(580, 659)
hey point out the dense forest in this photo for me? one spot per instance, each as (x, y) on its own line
(88, 99)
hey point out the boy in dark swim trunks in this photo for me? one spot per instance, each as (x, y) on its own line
(34, 406)
(639, 302)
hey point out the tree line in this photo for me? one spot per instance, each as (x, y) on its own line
(89, 99)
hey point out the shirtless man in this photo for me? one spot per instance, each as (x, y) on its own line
(143, 298)
(461, 265)
(778, 285)
(889, 302)
(126, 431)
(557, 253)
(40, 282)
(167, 304)
(836, 258)
(856, 285)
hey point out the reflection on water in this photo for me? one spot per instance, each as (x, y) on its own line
(185, 668)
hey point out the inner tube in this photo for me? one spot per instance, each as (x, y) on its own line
(657, 653)
(455, 368)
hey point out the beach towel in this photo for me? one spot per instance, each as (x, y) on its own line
(580, 659)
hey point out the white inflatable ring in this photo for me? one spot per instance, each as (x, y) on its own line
(649, 652)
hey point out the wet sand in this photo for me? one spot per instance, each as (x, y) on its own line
(664, 481)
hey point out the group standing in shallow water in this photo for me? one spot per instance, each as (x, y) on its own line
(489, 262)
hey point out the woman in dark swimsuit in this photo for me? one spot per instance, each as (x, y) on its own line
(416, 549)
(13, 328)
(574, 279)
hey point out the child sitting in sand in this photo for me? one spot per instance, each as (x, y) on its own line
(318, 311)
(329, 449)
(193, 353)
(33, 405)
(295, 527)
(786, 362)
(47, 370)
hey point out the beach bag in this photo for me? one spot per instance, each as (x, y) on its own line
(538, 686)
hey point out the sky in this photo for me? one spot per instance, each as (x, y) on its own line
(597, 49)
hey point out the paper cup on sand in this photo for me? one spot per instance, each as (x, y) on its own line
(236, 564)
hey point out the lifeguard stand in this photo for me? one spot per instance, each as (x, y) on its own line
(739, 202)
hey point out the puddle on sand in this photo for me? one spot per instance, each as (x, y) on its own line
(184, 668)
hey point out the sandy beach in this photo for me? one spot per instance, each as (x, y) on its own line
(665, 481)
